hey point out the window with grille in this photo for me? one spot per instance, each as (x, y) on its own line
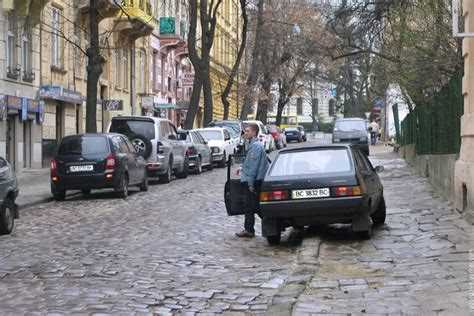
(27, 52)
(299, 106)
(11, 44)
(56, 49)
(125, 67)
(118, 68)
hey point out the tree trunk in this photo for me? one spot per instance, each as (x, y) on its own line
(94, 68)
(208, 102)
(235, 68)
(252, 77)
(195, 60)
(264, 103)
(282, 102)
(192, 110)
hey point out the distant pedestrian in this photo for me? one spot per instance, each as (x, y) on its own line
(254, 168)
(374, 132)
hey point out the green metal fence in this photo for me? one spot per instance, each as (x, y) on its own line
(435, 127)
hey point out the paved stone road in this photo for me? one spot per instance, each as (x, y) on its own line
(417, 264)
(172, 251)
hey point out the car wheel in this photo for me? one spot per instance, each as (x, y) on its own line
(142, 145)
(198, 168)
(122, 190)
(86, 191)
(274, 240)
(184, 173)
(144, 185)
(7, 217)
(166, 178)
(222, 163)
(380, 214)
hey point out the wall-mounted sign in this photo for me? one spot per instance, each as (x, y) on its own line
(112, 105)
(167, 26)
(161, 106)
(61, 94)
(147, 101)
(187, 79)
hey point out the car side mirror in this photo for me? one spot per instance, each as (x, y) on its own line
(379, 169)
(172, 137)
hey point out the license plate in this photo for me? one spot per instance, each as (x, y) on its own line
(81, 168)
(310, 193)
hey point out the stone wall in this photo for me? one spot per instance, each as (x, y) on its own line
(464, 173)
(439, 169)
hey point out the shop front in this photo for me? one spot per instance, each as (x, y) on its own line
(20, 120)
(62, 117)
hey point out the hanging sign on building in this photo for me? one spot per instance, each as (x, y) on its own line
(13, 104)
(167, 26)
(112, 105)
(24, 109)
(40, 113)
(3, 107)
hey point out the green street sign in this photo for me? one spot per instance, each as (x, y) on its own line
(167, 26)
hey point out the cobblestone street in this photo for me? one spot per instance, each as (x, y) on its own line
(172, 250)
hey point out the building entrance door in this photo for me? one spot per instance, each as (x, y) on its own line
(27, 144)
(11, 141)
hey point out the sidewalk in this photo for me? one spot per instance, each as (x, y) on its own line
(34, 187)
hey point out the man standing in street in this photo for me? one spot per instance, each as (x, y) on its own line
(254, 168)
(374, 132)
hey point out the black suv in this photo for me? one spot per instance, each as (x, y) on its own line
(96, 161)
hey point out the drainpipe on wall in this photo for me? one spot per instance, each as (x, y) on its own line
(132, 78)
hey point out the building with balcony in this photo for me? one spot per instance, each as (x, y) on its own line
(21, 115)
(124, 45)
(223, 55)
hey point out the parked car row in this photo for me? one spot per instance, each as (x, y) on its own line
(136, 149)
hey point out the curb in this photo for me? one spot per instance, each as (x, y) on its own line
(302, 272)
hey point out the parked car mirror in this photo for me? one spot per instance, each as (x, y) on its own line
(379, 169)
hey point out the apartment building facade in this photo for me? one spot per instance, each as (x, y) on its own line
(21, 113)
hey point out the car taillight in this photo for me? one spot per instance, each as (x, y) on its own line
(54, 170)
(347, 191)
(274, 196)
(159, 149)
(110, 163)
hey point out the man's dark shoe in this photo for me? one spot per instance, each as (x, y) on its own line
(245, 234)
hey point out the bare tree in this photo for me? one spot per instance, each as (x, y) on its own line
(201, 61)
(238, 60)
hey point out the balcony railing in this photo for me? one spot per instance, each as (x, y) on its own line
(138, 9)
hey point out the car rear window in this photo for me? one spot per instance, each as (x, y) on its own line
(291, 129)
(131, 128)
(318, 161)
(85, 145)
(212, 135)
(349, 126)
